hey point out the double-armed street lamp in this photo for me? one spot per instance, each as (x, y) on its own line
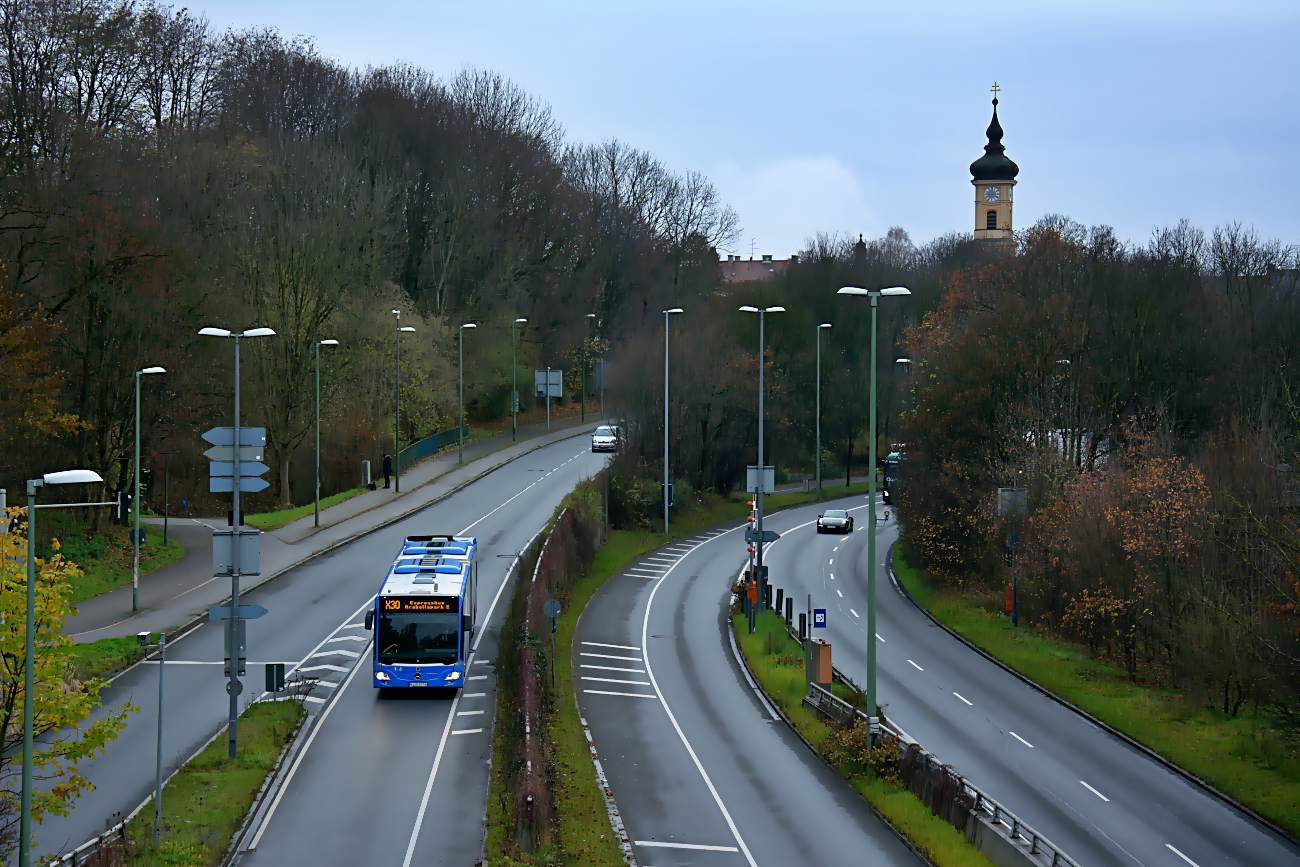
(872, 565)
(819, 405)
(514, 381)
(760, 473)
(667, 313)
(319, 344)
(460, 417)
(67, 477)
(135, 502)
(399, 329)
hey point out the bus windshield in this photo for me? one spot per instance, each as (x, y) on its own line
(418, 637)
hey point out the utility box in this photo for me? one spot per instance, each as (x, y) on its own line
(817, 661)
(365, 474)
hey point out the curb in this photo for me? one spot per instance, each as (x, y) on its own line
(1145, 750)
(188, 626)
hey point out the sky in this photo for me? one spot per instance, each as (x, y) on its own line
(852, 118)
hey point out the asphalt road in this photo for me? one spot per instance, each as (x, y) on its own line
(371, 761)
(1098, 798)
(703, 771)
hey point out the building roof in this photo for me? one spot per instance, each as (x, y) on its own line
(737, 270)
(994, 165)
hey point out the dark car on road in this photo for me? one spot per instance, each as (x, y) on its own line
(835, 521)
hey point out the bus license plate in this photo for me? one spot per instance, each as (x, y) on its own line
(418, 683)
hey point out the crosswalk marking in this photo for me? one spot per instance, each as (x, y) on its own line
(338, 651)
(625, 694)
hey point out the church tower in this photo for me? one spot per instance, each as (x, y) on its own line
(994, 178)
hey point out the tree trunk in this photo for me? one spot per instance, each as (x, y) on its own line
(284, 483)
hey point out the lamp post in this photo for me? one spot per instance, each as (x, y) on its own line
(514, 382)
(135, 501)
(758, 487)
(584, 370)
(819, 406)
(667, 313)
(233, 685)
(167, 489)
(67, 477)
(460, 418)
(319, 344)
(874, 295)
(143, 638)
(398, 328)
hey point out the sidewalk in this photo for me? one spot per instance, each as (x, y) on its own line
(172, 596)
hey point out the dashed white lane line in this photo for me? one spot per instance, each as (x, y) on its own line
(1181, 855)
(1094, 791)
(697, 846)
(841, 594)
(467, 731)
(478, 677)
(963, 698)
(878, 638)
(469, 712)
(830, 561)
(1022, 740)
(472, 694)
(615, 646)
(914, 665)
(854, 613)
(832, 576)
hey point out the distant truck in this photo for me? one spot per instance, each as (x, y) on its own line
(424, 614)
(892, 473)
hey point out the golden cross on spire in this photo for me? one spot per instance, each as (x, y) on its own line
(995, 88)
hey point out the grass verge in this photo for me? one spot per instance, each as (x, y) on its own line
(280, 517)
(106, 557)
(206, 801)
(776, 661)
(1242, 757)
(97, 658)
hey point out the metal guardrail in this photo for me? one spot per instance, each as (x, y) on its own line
(429, 445)
(93, 847)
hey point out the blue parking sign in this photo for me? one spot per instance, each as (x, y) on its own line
(819, 618)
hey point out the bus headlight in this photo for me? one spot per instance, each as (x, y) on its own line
(382, 676)
(455, 675)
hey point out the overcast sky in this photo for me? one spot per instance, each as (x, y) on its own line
(855, 117)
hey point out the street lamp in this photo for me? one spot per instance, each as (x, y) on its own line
(758, 487)
(67, 477)
(584, 373)
(460, 419)
(514, 382)
(873, 721)
(135, 502)
(819, 406)
(667, 313)
(319, 343)
(397, 400)
(233, 686)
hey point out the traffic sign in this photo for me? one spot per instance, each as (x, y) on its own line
(819, 618)
(768, 536)
(247, 469)
(225, 436)
(223, 551)
(247, 484)
(548, 379)
(551, 609)
(227, 453)
(246, 612)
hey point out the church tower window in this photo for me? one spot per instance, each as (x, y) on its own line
(991, 220)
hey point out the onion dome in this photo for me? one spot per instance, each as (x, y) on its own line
(994, 165)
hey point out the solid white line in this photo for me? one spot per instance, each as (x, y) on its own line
(607, 656)
(701, 848)
(1181, 855)
(914, 665)
(433, 772)
(628, 694)
(1022, 740)
(614, 680)
(467, 731)
(963, 698)
(1094, 791)
(735, 651)
(298, 760)
(612, 668)
(615, 646)
(645, 632)
(854, 613)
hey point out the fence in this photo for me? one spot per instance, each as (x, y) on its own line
(421, 449)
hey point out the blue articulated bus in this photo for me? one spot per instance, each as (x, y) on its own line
(424, 614)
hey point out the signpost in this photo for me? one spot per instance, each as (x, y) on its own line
(769, 536)
(1013, 502)
(819, 618)
(552, 610)
(548, 383)
(236, 467)
(751, 479)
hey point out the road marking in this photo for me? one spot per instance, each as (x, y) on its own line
(469, 712)
(615, 646)
(478, 677)
(717, 799)
(628, 694)
(831, 561)
(472, 694)
(340, 669)
(612, 668)
(832, 576)
(644, 573)
(608, 656)
(854, 613)
(614, 680)
(338, 651)
(353, 626)
(313, 698)
(433, 772)
(467, 731)
(917, 667)
(482, 662)
(1095, 792)
(697, 846)
(1181, 855)
(331, 684)
(350, 638)
(963, 698)
(1022, 740)
(841, 594)
(878, 638)
(836, 548)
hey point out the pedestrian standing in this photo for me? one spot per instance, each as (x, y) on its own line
(388, 469)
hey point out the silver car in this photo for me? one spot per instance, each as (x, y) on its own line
(604, 439)
(835, 521)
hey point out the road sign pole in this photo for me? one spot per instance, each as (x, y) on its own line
(233, 685)
(758, 496)
(872, 565)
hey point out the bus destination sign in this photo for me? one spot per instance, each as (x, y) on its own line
(414, 604)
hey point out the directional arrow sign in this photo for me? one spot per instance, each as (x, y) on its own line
(768, 535)
(226, 484)
(246, 612)
(227, 453)
(225, 436)
(246, 469)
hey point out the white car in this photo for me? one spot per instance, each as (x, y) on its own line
(604, 439)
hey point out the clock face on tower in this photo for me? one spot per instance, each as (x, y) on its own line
(990, 194)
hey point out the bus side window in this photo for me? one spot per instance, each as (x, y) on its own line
(370, 619)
